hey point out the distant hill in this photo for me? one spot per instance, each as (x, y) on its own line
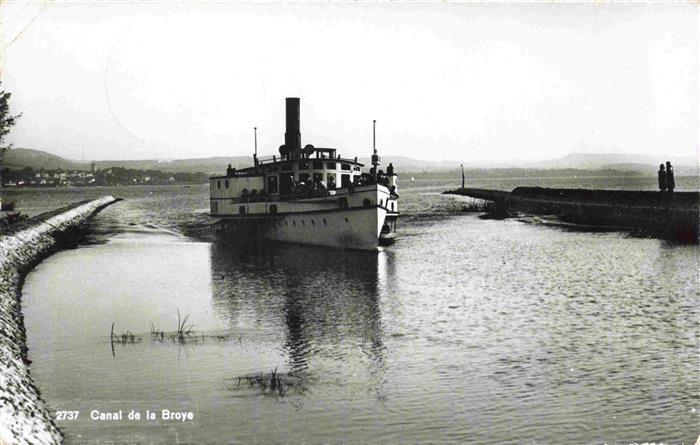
(205, 165)
(23, 157)
(402, 163)
(633, 162)
(19, 158)
(643, 164)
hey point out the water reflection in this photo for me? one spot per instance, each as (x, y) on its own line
(325, 302)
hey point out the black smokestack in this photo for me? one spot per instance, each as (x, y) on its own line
(292, 136)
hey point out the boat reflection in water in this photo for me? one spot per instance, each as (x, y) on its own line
(317, 307)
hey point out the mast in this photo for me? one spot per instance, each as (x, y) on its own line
(375, 156)
(255, 154)
(374, 135)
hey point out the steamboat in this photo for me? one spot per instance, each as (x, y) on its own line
(307, 195)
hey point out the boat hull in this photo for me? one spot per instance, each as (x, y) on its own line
(352, 228)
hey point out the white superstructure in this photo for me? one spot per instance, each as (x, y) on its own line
(308, 195)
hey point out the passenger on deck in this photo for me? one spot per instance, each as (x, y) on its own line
(390, 169)
(662, 178)
(381, 179)
(670, 180)
(230, 170)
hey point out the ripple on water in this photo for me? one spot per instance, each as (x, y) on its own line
(466, 330)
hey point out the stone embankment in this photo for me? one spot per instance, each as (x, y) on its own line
(24, 417)
(668, 215)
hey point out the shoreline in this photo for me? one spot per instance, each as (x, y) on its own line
(23, 413)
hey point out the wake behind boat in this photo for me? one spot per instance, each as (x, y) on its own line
(308, 195)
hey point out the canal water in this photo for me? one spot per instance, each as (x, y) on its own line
(465, 331)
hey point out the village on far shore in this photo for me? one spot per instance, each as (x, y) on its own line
(29, 177)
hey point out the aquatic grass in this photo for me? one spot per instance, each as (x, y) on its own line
(124, 338)
(273, 383)
(129, 337)
(276, 383)
(186, 333)
(183, 329)
(155, 333)
(111, 339)
(183, 334)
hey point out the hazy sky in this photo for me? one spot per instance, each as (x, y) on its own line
(444, 81)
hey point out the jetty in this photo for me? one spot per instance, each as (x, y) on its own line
(24, 417)
(665, 214)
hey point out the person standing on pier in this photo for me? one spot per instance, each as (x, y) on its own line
(662, 178)
(670, 180)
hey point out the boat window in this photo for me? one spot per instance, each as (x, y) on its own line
(273, 208)
(381, 202)
(303, 223)
(272, 184)
(241, 210)
(345, 166)
(286, 223)
(294, 222)
(324, 221)
(313, 223)
(344, 181)
(343, 202)
(330, 166)
(392, 206)
(318, 165)
(356, 168)
(303, 165)
(218, 184)
(367, 202)
(226, 183)
(304, 177)
(331, 181)
(347, 220)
